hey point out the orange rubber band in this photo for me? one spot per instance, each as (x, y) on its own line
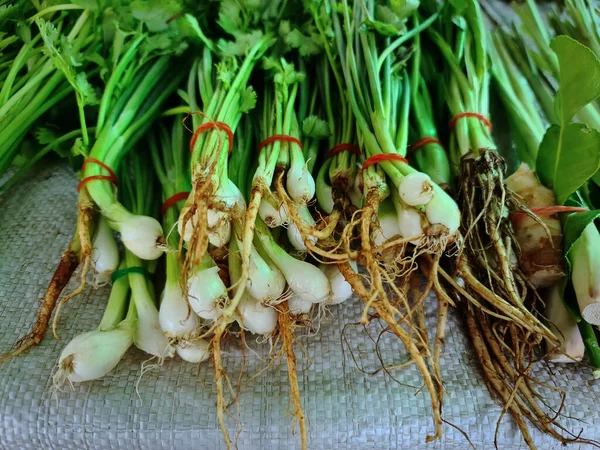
(383, 157)
(346, 147)
(112, 177)
(172, 200)
(281, 138)
(210, 126)
(481, 117)
(422, 143)
(548, 210)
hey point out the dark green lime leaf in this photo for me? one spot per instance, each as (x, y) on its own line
(579, 77)
(567, 160)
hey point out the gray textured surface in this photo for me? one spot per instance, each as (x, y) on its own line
(346, 408)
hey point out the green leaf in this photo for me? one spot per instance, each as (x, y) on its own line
(579, 77)
(567, 159)
(315, 128)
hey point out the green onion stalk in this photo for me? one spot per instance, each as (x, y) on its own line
(179, 323)
(125, 115)
(487, 263)
(44, 71)
(139, 196)
(337, 180)
(426, 151)
(216, 204)
(567, 316)
(417, 210)
(381, 113)
(282, 167)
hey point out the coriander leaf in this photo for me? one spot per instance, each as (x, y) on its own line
(315, 128)
(6, 11)
(86, 90)
(248, 99)
(155, 14)
(305, 44)
(241, 44)
(230, 17)
(45, 136)
(66, 59)
(579, 77)
(459, 6)
(566, 161)
(404, 8)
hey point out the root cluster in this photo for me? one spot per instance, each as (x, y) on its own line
(503, 310)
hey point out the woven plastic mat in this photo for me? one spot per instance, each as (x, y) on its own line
(174, 405)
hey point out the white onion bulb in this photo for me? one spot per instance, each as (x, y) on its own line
(265, 281)
(105, 253)
(257, 318)
(442, 209)
(148, 334)
(206, 291)
(94, 354)
(143, 236)
(194, 351)
(340, 288)
(409, 222)
(299, 305)
(300, 184)
(293, 232)
(416, 189)
(177, 321)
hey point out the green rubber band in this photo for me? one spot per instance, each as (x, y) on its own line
(122, 272)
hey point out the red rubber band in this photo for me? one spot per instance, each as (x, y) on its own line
(481, 117)
(548, 210)
(345, 147)
(422, 143)
(112, 177)
(210, 126)
(172, 200)
(383, 157)
(281, 138)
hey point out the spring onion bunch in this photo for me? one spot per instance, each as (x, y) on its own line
(300, 151)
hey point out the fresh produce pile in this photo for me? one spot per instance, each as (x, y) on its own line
(262, 161)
